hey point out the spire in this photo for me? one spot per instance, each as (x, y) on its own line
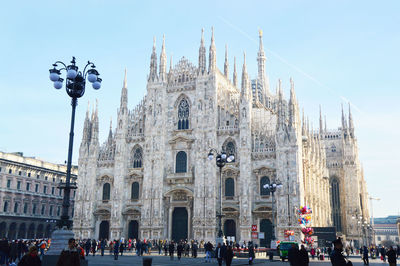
(212, 54)
(292, 105)
(351, 124)
(153, 63)
(261, 63)
(321, 129)
(124, 92)
(344, 122)
(202, 55)
(170, 64)
(86, 127)
(95, 125)
(245, 80)
(325, 125)
(234, 72)
(226, 64)
(303, 126)
(110, 135)
(163, 61)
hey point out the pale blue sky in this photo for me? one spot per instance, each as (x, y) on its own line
(334, 51)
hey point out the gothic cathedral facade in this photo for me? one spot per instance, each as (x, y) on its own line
(151, 178)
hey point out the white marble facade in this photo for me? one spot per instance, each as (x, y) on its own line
(154, 163)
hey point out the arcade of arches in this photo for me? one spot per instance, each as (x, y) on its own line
(26, 230)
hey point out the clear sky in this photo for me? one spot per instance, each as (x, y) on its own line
(336, 51)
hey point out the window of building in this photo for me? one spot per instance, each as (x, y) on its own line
(45, 178)
(135, 191)
(44, 189)
(0, 169)
(106, 191)
(37, 188)
(5, 208)
(28, 186)
(9, 171)
(8, 183)
(379, 238)
(229, 187)
(58, 211)
(52, 191)
(264, 181)
(230, 149)
(34, 208)
(54, 179)
(59, 191)
(137, 158)
(19, 173)
(183, 114)
(74, 193)
(181, 162)
(16, 207)
(29, 174)
(37, 176)
(25, 207)
(335, 201)
(18, 185)
(43, 209)
(51, 211)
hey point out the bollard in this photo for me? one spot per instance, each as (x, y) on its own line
(147, 261)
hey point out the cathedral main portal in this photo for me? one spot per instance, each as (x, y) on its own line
(179, 224)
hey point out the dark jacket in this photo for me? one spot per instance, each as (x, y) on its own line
(391, 254)
(252, 255)
(303, 255)
(221, 253)
(294, 256)
(229, 256)
(4, 246)
(337, 258)
(69, 258)
(28, 260)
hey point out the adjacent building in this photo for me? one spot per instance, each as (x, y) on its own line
(151, 177)
(387, 229)
(30, 201)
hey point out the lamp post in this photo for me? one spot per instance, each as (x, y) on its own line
(75, 87)
(221, 159)
(358, 222)
(272, 188)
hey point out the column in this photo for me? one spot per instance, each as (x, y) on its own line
(170, 222)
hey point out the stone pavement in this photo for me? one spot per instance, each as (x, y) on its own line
(165, 261)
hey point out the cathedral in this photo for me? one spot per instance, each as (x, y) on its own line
(151, 178)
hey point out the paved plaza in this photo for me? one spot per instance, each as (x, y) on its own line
(165, 261)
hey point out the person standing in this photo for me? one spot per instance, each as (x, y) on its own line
(31, 258)
(69, 256)
(218, 254)
(391, 254)
(229, 256)
(303, 255)
(94, 246)
(194, 249)
(116, 249)
(294, 256)
(122, 247)
(312, 252)
(208, 248)
(87, 247)
(165, 247)
(337, 258)
(102, 246)
(252, 255)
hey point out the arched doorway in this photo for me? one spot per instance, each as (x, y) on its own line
(104, 231)
(133, 231)
(22, 231)
(230, 228)
(31, 232)
(12, 232)
(47, 233)
(266, 228)
(39, 232)
(179, 224)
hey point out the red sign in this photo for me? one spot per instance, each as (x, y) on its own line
(254, 228)
(254, 235)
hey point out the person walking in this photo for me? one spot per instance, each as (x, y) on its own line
(171, 249)
(31, 258)
(4, 251)
(179, 250)
(116, 249)
(13, 251)
(303, 256)
(93, 246)
(252, 255)
(391, 254)
(122, 247)
(69, 256)
(102, 246)
(229, 256)
(139, 248)
(312, 252)
(87, 247)
(365, 255)
(294, 256)
(219, 254)
(208, 248)
(165, 248)
(194, 249)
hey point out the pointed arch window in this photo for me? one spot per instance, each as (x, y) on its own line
(263, 181)
(229, 187)
(137, 158)
(183, 114)
(181, 162)
(335, 201)
(135, 191)
(106, 191)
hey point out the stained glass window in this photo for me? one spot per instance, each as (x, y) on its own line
(183, 114)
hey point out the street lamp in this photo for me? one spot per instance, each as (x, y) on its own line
(221, 159)
(75, 87)
(272, 188)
